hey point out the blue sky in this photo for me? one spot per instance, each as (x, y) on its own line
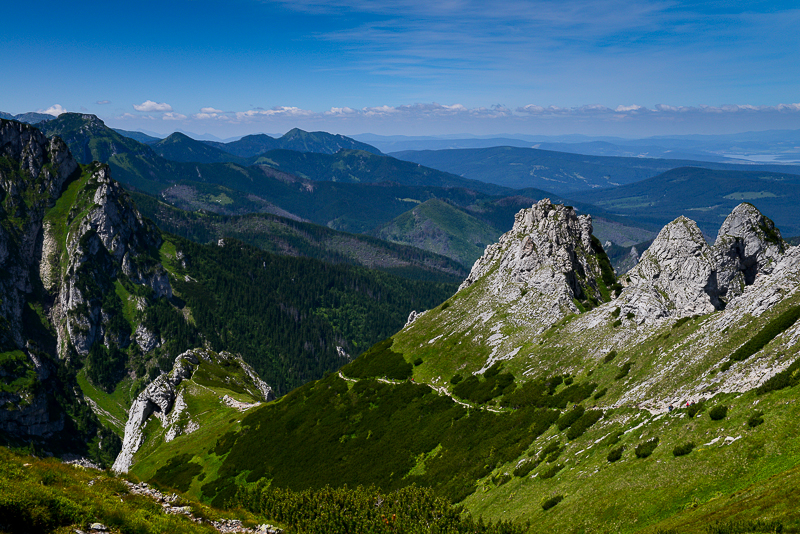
(413, 67)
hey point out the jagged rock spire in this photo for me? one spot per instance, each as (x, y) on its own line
(748, 244)
(549, 250)
(681, 275)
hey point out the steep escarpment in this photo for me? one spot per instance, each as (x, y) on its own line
(33, 170)
(81, 268)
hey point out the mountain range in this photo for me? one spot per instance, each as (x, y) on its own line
(547, 391)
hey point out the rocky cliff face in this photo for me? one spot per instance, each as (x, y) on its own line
(549, 251)
(680, 275)
(32, 175)
(59, 264)
(110, 240)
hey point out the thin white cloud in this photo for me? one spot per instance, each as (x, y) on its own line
(210, 110)
(54, 110)
(103, 102)
(171, 116)
(150, 106)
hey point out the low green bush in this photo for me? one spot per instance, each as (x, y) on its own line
(787, 378)
(615, 313)
(551, 471)
(417, 362)
(615, 454)
(643, 450)
(566, 420)
(456, 379)
(552, 501)
(769, 332)
(379, 361)
(600, 394)
(525, 467)
(683, 450)
(718, 412)
(617, 323)
(624, 370)
(695, 408)
(579, 427)
(610, 356)
(756, 419)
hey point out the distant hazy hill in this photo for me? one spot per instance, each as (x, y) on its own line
(559, 172)
(30, 118)
(295, 139)
(357, 166)
(705, 195)
(138, 136)
(440, 227)
(181, 147)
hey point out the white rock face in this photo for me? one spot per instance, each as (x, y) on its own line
(674, 276)
(549, 251)
(157, 397)
(680, 275)
(747, 246)
(107, 243)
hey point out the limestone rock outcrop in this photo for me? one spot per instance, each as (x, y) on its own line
(164, 400)
(110, 240)
(549, 250)
(680, 275)
(675, 276)
(748, 244)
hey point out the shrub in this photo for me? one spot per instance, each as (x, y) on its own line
(583, 423)
(789, 377)
(629, 316)
(551, 471)
(695, 409)
(615, 313)
(755, 419)
(552, 447)
(456, 379)
(380, 360)
(718, 412)
(525, 467)
(683, 450)
(417, 362)
(771, 330)
(445, 305)
(643, 450)
(680, 322)
(615, 454)
(624, 370)
(566, 420)
(617, 323)
(552, 501)
(610, 356)
(600, 394)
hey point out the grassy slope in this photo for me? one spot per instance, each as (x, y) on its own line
(47, 496)
(441, 228)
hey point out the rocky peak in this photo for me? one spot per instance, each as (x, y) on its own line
(748, 244)
(110, 240)
(680, 275)
(675, 276)
(549, 260)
